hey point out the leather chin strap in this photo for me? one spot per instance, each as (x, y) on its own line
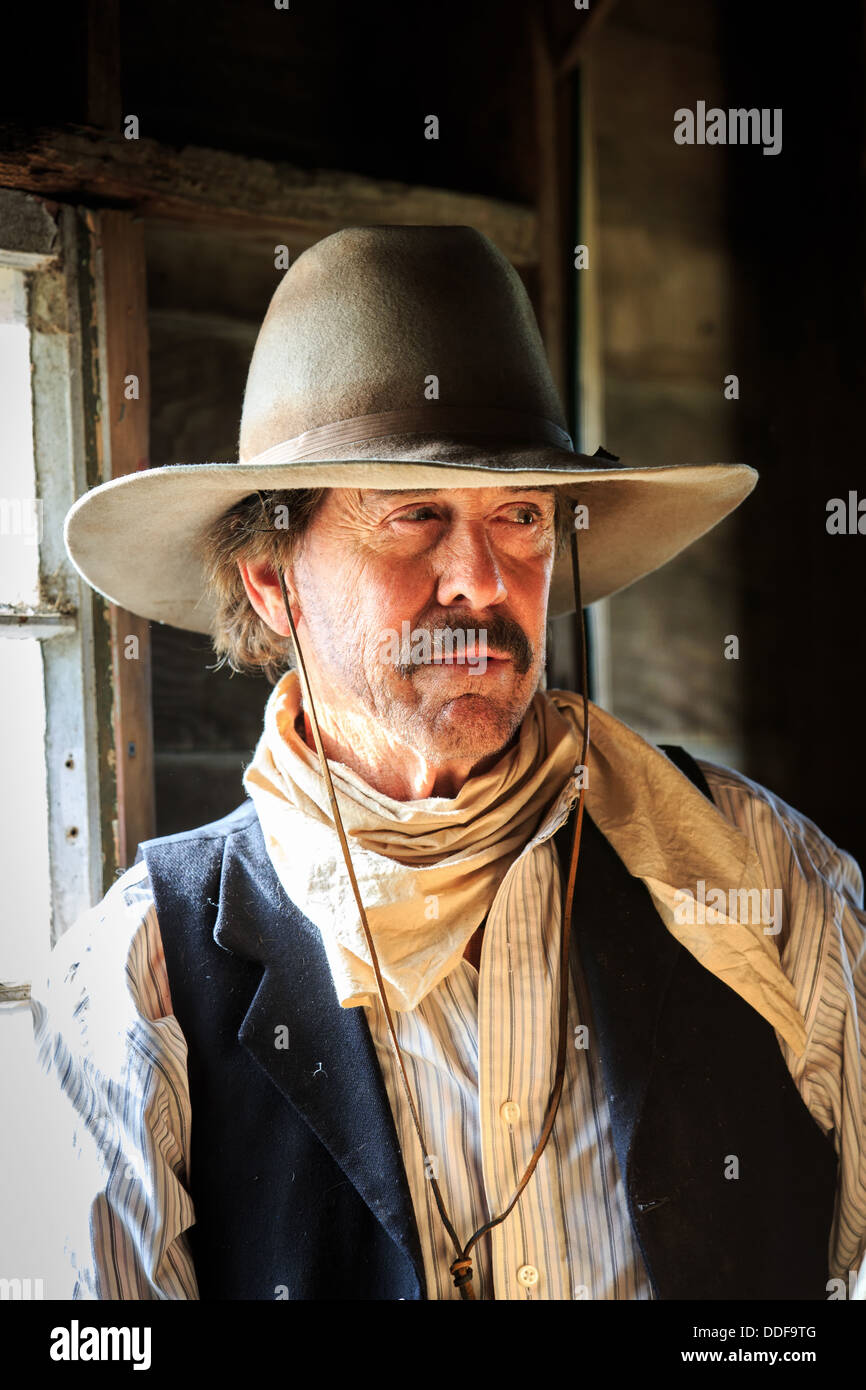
(461, 1267)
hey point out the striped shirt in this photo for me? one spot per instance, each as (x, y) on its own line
(104, 1028)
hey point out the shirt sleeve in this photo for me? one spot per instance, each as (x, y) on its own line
(822, 946)
(106, 1037)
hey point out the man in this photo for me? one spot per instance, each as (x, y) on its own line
(344, 1043)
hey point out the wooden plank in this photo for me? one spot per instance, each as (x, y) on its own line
(195, 184)
(80, 258)
(589, 355)
(123, 325)
(588, 366)
(103, 64)
(133, 729)
(197, 709)
(555, 200)
(552, 231)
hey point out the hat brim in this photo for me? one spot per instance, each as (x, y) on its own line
(137, 540)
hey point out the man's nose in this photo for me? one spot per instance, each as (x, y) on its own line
(467, 568)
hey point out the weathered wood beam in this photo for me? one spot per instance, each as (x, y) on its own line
(121, 277)
(195, 184)
(553, 288)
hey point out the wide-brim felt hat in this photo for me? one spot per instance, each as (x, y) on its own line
(395, 357)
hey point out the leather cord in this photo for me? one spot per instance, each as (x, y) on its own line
(461, 1267)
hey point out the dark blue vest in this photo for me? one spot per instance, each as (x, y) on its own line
(295, 1169)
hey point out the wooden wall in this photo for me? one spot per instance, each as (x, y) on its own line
(668, 342)
(207, 295)
(718, 260)
(798, 236)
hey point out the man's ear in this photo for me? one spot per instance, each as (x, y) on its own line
(263, 591)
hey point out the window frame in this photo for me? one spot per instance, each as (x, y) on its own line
(77, 262)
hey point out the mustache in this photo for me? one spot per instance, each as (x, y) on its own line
(502, 635)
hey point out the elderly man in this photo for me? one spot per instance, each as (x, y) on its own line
(344, 1043)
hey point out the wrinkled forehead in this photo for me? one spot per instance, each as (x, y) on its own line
(373, 494)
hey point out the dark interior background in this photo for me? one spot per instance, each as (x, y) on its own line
(711, 261)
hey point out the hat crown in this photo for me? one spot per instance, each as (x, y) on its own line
(366, 318)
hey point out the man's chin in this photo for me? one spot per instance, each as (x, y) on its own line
(468, 725)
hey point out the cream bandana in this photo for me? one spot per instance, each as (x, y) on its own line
(429, 870)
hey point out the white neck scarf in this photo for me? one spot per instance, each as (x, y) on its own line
(428, 870)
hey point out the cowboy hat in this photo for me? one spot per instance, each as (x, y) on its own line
(394, 357)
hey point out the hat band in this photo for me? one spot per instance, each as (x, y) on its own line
(509, 425)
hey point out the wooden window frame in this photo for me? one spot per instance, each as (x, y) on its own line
(87, 321)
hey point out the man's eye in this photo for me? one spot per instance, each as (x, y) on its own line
(526, 515)
(419, 514)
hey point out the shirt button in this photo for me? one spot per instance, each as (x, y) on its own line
(527, 1275)
(510, 1112)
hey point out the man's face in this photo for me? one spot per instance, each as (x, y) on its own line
(378, 573)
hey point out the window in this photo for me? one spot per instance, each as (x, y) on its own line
(51, 853)
(55, 853)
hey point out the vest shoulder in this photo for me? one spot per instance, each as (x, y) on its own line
(242, 818)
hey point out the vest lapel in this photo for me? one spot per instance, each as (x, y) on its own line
(329, 1071)
(327, 1067)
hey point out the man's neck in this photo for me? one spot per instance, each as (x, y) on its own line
(412, 780)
